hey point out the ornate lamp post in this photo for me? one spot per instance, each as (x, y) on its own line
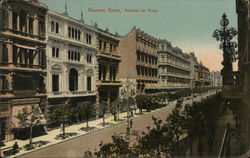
(225, 35)
(126, 90)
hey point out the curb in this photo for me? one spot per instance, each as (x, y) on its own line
(97, 130)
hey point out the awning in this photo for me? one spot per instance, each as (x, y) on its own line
(18, 108)
(25, 47)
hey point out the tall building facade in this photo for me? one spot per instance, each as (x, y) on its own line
(108, 60)
(22, 61)
(174, 67)
(237, 93)
(138, 68)
(71, 56)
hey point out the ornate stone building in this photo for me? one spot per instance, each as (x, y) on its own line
(174, 67)
(71, 56)
(22, 62)
(237, 93)
(108, 60)
(138, 68)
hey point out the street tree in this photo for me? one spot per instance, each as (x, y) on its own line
(62, 114)
(29, 117)
(87, 109)
(175, 123)
(103, 109)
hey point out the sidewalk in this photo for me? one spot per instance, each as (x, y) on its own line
(76, 130)
(220, 127)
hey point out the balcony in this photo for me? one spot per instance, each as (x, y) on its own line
(25, 34)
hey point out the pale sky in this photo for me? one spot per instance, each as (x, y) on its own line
(188, 24)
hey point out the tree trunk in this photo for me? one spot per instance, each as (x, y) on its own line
(31, 130)
(63, 129)
(87, 123)
(103, 120)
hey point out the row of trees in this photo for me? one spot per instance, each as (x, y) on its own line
(154, 101)
(28, 118)
(172, 136)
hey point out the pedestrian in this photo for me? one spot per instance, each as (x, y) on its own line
(210, 143)
(15, 148)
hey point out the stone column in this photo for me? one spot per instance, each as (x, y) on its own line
(9, 19)
(35, 25)
(107, 71)
(18, 22)
(27, 23)
(10, 53)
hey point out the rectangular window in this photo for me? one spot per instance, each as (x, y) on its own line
(104, 46)
(57, 28)
(88, 83)
(14, 21)
(53, 51)
(69, 32)
(68, 54)
(41, 28)
(31, 26)
(110, 48)
(89, 58)
(57, 52)
(79, 35)
(55, 83)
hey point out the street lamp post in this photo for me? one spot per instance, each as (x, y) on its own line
(128, 108)
(225, 35)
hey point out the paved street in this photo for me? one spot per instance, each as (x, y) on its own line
(76, 147)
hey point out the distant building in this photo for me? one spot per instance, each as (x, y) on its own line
(174, 67)
(71, 56)
(138, 67)
(194, 70)
(22, 63)
(215, 79)
(200, 74)
(204, 75)
(108, 60)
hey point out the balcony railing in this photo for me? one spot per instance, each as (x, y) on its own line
(24, 65)
(30, 66)
(41, 37)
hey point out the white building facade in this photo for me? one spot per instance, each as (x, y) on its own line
(71, 61)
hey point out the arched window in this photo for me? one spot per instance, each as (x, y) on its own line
(52, 26)
(73, 80)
